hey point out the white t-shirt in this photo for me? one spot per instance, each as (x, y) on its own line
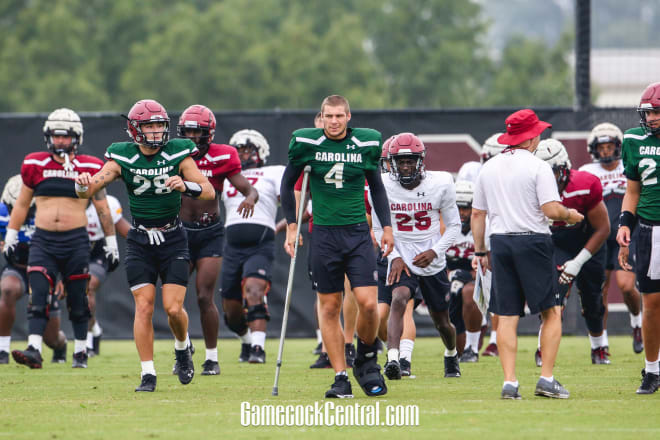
(94, 229)
(415, 216)
(266, 181)
(469, 171)
(512, 187)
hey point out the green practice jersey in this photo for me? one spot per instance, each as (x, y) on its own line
(145, 176)
(641, 156)
(337, 179)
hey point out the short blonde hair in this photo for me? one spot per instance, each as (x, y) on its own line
(335, 100)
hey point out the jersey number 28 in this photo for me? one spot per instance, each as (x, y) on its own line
(145, 184)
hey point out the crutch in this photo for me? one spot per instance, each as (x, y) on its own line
(289, 284)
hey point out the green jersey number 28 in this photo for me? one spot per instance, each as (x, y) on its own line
(335, 175)
(145, 184)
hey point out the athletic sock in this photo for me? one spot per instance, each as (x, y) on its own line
(5, 341)
(90, 340)
(652, 367)
(181, 345)
(406, 348)
(212, 354)
(596, 341)
(96, 329)
(80, 345)
(450, 353)
(319, 338)
(548, 379)
(246, 338)
(636, 320)
(148, 368)
(259, 338)
(508, 382)
(342, 373)
(606, 342)
(393, 355)
(493, 337)
(35, 341)
(472, 340)
(539, 340)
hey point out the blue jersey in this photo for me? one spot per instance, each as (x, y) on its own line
(24, 235)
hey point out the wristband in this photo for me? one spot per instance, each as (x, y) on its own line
(628, 219)
(81, 188)
(480, 254)
(192, 189)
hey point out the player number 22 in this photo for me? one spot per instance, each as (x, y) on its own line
(650, 166)
(335, 175)
(145, 184)
(422, 221)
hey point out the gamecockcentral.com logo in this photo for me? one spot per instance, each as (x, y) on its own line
(329, 414)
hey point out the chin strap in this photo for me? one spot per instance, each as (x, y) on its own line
(68, 166)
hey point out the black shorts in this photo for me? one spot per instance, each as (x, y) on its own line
(339, 250)
(384, 291)
(612, 253)
(205, 242)
(243, 262)
(434, 289)
(458, 279)
(146, 262)
(65, 253)
(98, 262)
(643, 257)
(523, 271)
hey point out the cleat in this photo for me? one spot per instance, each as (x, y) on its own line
(638, 344)
(650, 383)
(349, 352)
(257, 355)
(341, 389)
(405, 367)
(245, 353)
(551, 389)
(600, 356)
(469, 355)
(96, 345)
(184, 365)
(491, 350)
(210, 368)
(79, 360)
(4, 357)
(30, 357)
(317, 350)
(322, 362)
(537, 358)
(148, 383)
(510, 392)
(451, 366)
(393, 370)
(379, 346)
(175, 368)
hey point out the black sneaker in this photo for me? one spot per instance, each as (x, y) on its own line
(537, 358)
(185, 366)
(175, 368)
(367, 371)
(341, 389)
(349, 351)
(379, 346)
(210, 368)
(59, 355)
(638, 344)
(30, 357)
(451, 366)
(510, 392)
(322, 362)
(469, 355)
(79, 360)
(551, 389)
(148, 383)
(393, 370)
(257, 355)
(650, 383)
(405, 367)
(96, 345)
(4, 357)
(245, 353)
(600, 356)
(317, 350)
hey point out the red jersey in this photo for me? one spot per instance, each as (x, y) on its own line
(47, 177)
(220, 162)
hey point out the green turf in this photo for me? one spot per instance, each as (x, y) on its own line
(99, 403)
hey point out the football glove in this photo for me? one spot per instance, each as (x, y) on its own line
(571, 268)
(11, 241)
(111, 252)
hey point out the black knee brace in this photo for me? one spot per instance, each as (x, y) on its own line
(593, 311)
(76, 299)
(37, 312)
(239, 327)
(259, 311)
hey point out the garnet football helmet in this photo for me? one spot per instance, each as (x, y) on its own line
(491, 148)
(197, 117)
(650, 101)
(554, 153)
(601, 134)
(384, 160)
(405, 146)
(63, 122)
(254, 141)
(144, 112)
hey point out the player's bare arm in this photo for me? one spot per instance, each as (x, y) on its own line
(382, 209)
(88, 185)
(478, 226)
(556, 211)
(246, 208)
(100, 203)
(600, 221)
(20, 211)
(629, 204)
(191, 174)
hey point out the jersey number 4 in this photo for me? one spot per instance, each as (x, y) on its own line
(422, 221)
(335, 175)
(145, 184)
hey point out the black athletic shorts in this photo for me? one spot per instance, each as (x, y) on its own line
(65, 253)
(339, 250)
(98, 263)
(643, 257)
(242, 262)
(458, 278)
(204, 242)
(434, 289)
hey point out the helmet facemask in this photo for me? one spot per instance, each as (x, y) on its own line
(201, 136)
(143, 138)
(400, 163)
(616, 155)
(252, 151)
(642, 110)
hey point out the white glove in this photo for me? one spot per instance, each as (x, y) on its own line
(571, 268)
(111, 251)
(11, 241)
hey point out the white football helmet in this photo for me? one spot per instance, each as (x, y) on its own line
(600, 134)
(63, 122)
(491, 148)
(11, 190)
(464, 193)
(254, 139)
(554, 153)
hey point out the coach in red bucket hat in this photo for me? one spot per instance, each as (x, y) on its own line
(521, 126)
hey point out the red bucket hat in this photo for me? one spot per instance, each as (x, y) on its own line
(521, 126)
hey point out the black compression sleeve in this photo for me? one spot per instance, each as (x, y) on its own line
(287, 195)
(379, 197)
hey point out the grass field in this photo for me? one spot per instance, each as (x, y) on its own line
(99, 403)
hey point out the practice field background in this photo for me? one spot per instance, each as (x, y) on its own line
(99, 403)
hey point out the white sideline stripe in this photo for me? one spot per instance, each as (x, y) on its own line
(36, 162)
(571, 135)
(311, 141)
(617, 307)
(174, 156)
(216, 158)
(578, 192)
(364, 144)
(447, 138)
(87, 164)
(635, 136)
(122, 158)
